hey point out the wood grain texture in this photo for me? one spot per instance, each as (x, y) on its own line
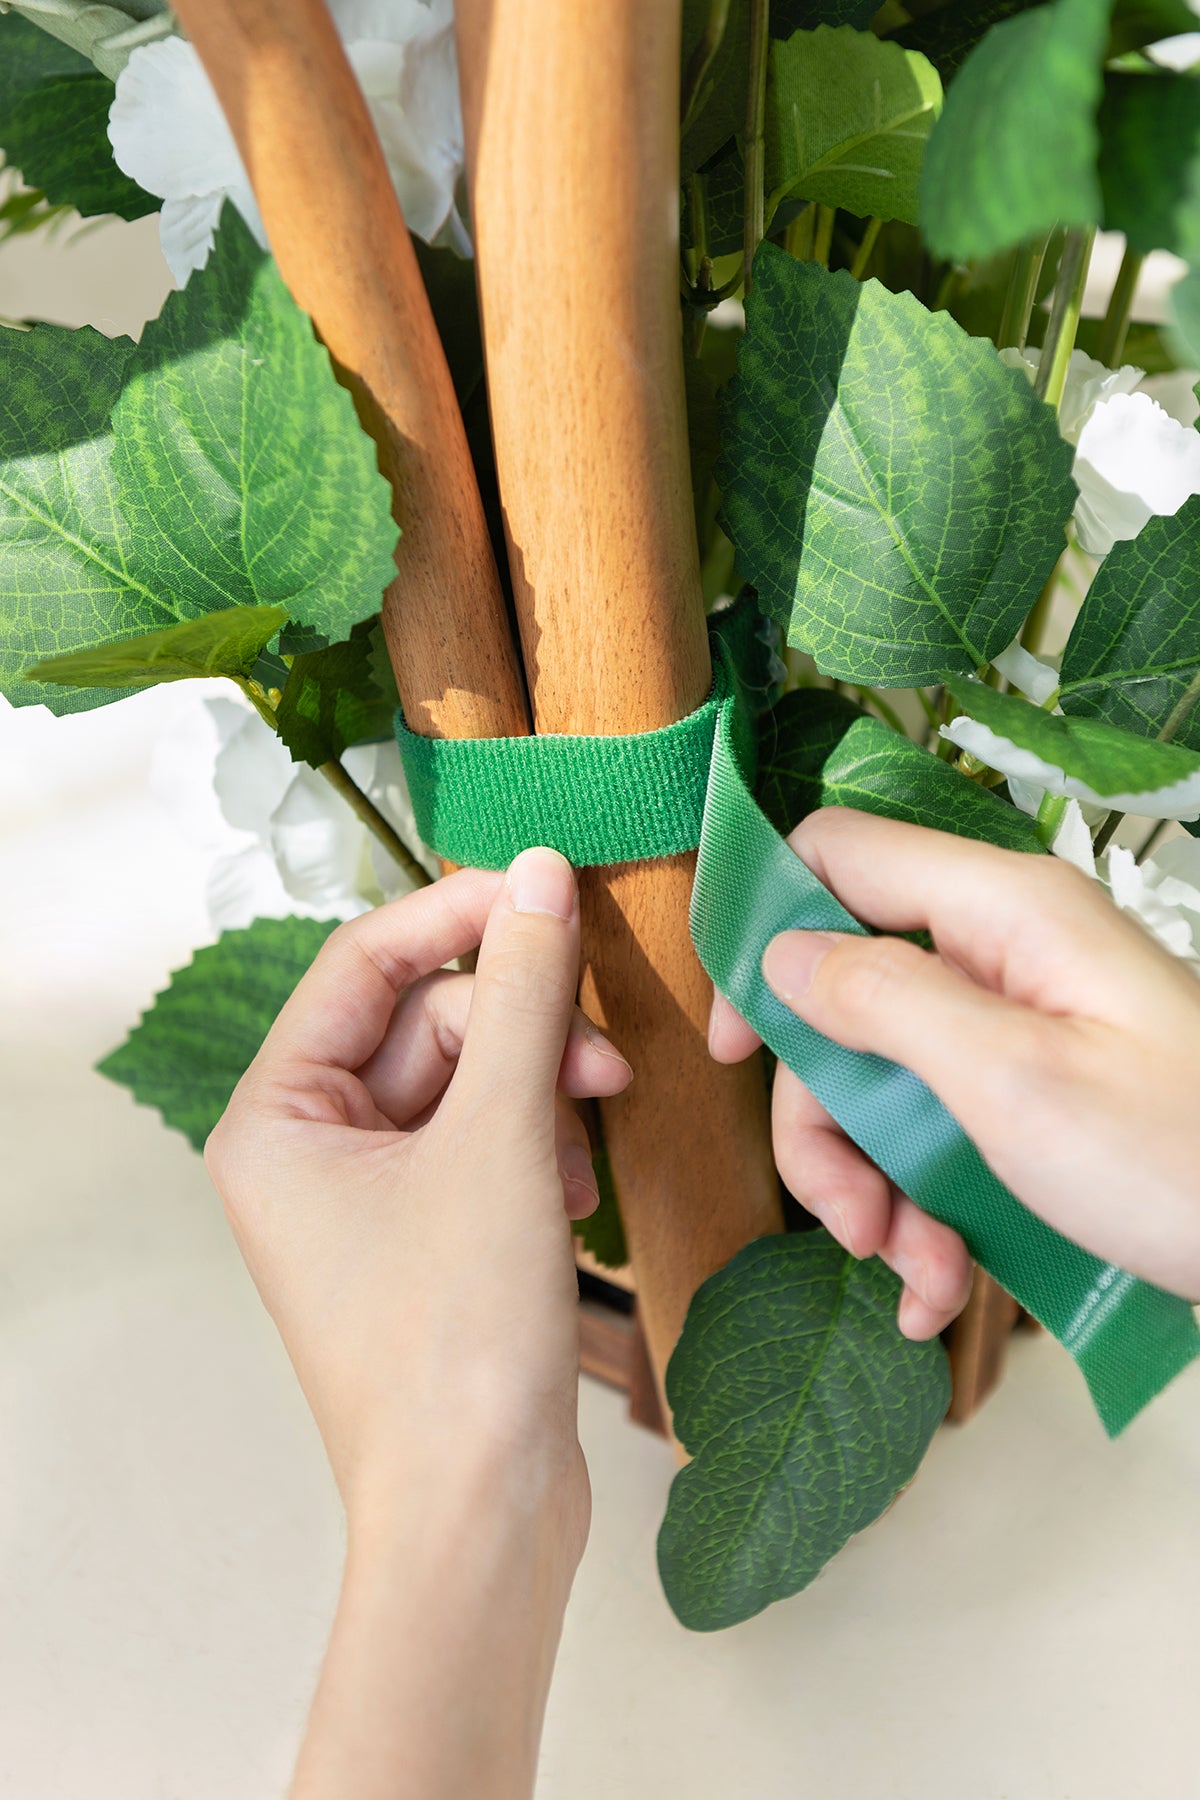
(338, 236)
(572, 135)
(979, 1345)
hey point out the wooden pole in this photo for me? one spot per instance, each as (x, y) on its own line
(572, 117)
(337, 233)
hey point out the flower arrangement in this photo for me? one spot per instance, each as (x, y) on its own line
(903, 437)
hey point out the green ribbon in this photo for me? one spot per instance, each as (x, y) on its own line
(620, 799)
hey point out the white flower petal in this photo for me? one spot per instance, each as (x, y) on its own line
(245, 886)
(318, 846)
(166, 126)
(1133, 893)
(422, 133)
(1073, 839)
(1178, 53)
(1035, 679)
(1133, 462)
(1179, 800)
(1028, 795)
(388, 21)
(253, 769)
(187, 231)
(1088, 383)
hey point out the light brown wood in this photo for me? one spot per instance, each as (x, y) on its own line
(338, 236)
(572, 133)
(979, 1345)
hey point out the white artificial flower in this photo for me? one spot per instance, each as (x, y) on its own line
(1035, 679)
(1162, 893)
(169, 134)
(285, 842)
(1133, 461)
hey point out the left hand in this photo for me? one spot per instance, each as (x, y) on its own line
(399, 1164)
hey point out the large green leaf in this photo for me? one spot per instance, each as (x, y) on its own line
(221, 643)
(1133, 656)
(893, 491)
(1082, 756)
(848, 118)
(334, 698)
(196, 1042)
(872, 768)
(243, 468)
(234, 474)
(54, 124)
(1149, 131)
(1014, 152)
(806, 1412)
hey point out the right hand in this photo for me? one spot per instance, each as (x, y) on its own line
(1062, 1037)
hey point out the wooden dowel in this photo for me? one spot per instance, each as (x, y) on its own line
(337, 233)
(572, 114)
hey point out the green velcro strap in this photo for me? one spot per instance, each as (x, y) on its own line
(618, 799)
(481, 801)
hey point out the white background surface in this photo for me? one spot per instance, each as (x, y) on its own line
(1020, 1627)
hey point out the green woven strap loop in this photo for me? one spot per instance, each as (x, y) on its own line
(617, 799)
(481, 801)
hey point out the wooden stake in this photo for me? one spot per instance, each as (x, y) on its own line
(572, 114)
(335, 227)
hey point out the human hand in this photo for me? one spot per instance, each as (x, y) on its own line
(398, 1169)
(1061, 1036)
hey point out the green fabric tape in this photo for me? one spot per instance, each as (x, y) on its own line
(619, 799)
(480, 801)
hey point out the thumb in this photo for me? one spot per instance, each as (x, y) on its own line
(524, 993)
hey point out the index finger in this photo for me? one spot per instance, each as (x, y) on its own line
(341, 1008)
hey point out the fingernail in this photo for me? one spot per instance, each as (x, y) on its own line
(599, 1042)
(790, 961)
(542, 881)
(833, 1219)
(577, 1168)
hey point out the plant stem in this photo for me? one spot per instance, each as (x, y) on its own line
(1034, 628)
(755, 139)
(1115, 328)
(798, 236)
(341, 779)
(1151, 838)
(104, 34)
(369, 814)
(1050, 817)
(1022, 292)
(701, 61)
(862, 256)
(1064, 316)
(823, 235)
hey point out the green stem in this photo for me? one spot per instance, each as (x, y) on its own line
(701, 61)
(799, 236)
(927, 706)
(862, 256)
(1050, 817)
(341, 779)
(1064, 316)
(104, 34)
(823, 235)
(1151, 838)
(1115, 328)
(368, 813)
(754, 150)
(1022, 292)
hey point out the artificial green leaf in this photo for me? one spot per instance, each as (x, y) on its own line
(190, 1050)
(1149, 131)
(848, 118)
(1133, 656)
(333, 699)
(1183, 300)
(723, 185)
(233, 474)
(69, 575)
(602, 1233)
(1084, 757)
(717, 109)
(1014, 152)
(1138, 22)
(948, 34)
(787, 16)
(54, 124)
(893, 491)
(243, 469)
(806, 1412)
(871, 768)
(221, 643)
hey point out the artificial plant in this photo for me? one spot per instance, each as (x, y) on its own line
(893, 436)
